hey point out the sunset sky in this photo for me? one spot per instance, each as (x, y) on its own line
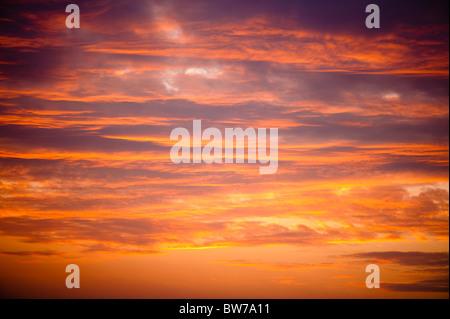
(86, 176)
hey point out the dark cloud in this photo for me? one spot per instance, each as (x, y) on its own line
(118, 230)
(326, 16)
(378, 129)
(76, 171)
(68, 140)
(31, 253)
(431, 285)
(96, 248)
(411, 258)
(146, 232)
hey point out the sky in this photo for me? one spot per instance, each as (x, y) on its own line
(86, 176)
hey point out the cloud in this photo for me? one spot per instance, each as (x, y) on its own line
(69, 140)
(276, 266)
(432, 285)
(116, 230)
(31, 253)
(410, 258)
